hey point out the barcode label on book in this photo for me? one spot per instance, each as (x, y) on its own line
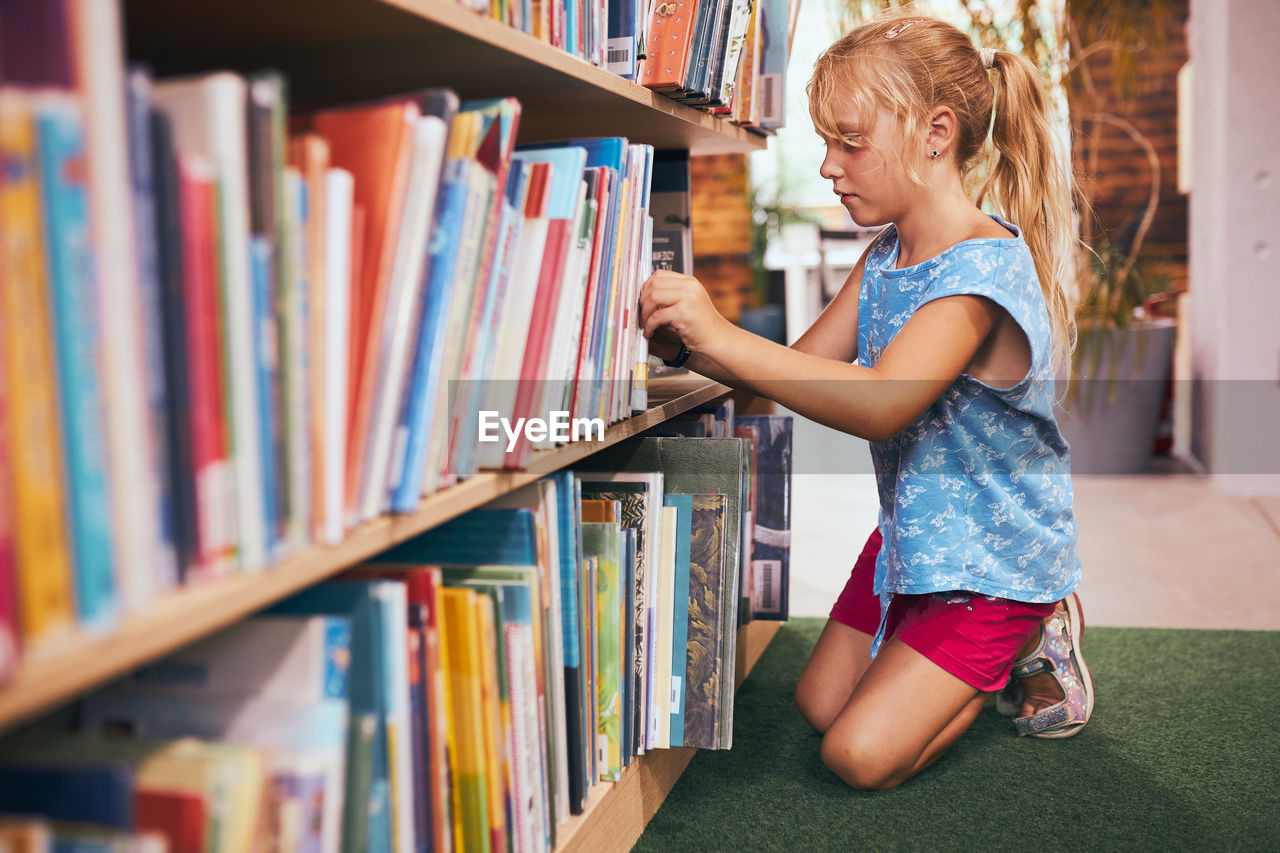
(619, 55)
(677, 703)
(771, 89)
(767, 592)
(602, 750)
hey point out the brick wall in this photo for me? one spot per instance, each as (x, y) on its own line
(722, 231)
(1120, 185)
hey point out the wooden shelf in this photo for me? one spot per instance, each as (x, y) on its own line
(345, 50)
(63, 669)
(617, 813)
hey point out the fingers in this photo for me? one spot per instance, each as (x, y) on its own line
(657, 319)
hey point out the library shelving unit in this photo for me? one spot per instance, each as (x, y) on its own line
(343, 50)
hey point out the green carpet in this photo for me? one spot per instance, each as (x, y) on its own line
(1183, 752)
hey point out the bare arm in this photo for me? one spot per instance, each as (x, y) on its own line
(925, 357)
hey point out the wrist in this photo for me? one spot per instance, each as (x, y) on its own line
(680, 358)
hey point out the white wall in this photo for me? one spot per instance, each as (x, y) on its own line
(1235, 241)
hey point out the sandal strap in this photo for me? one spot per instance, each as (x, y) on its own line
(1049, 718)
(1034, 666)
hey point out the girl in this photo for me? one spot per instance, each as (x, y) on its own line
(957, 320)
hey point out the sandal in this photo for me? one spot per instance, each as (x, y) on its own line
(1058, 653)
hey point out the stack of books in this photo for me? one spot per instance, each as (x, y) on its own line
(466, 690)
(229, 332)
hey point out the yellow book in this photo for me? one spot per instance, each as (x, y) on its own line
(466, 736)
(42, 555)
(495, 744)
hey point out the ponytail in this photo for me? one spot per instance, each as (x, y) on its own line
(1030, 183)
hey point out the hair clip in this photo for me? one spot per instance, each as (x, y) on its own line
(898, 28)
(988, 57)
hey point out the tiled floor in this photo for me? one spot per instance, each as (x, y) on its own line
(1159, 550)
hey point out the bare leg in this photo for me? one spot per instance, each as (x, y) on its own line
(902, 715)
(834, 667)
(1041, 690)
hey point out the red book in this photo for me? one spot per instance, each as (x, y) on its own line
(178, 817)
(667, 45)
(206, 385)
(375, 144)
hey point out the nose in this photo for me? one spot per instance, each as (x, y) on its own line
(830, 169)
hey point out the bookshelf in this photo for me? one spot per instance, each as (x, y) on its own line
(335, 51)
(347, 50)
(84, 660)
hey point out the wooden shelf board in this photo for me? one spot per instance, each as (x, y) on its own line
(348, 50)
(617, 813)
(63, 668)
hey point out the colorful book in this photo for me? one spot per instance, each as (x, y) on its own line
(771, 536)
(463, 632)
(375, 144)
(77, 338)
(667, 44)
(697, 466)
(209, 121)
(133, 472)
(603, 542)
(707, 665)
(42, 554)
(683, 507)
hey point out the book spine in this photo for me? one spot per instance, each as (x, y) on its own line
(9, 626)
(425, 378)
(178, 413)
(295, 355)
(132, 474)
(77, 338)
(42, 556)
(339, 195)
(267, 385)
(142, 176)
(210, 462)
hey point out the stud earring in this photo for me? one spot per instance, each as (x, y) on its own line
(934, 153)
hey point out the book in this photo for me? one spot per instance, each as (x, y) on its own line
(208, 113)
(667, 43)
(696, 466)
(771, 534)
(664, 625)
(375, 144)
(340, 222)
(77, 340)
(178, 427)
(603, 542)
(707, 665)
(41, 551)
(773, 55)
(683, 507)
(171, 550)
(211, 464)
(430, 136)
(463, 634)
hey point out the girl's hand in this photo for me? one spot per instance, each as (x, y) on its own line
(675, 303)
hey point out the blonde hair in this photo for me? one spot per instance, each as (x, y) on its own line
(908, 66)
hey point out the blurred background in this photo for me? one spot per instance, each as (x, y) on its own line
(1169, 114)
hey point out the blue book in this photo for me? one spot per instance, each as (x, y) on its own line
(482, 537)
(378, 686)
(146, 240)
(74, 300)
(417, 412)
(260, 268)
(680, 614)
(94, 793)
(620, 51)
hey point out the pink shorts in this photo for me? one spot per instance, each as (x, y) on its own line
(974, 637)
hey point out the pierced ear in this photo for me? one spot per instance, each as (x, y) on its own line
(943, 128)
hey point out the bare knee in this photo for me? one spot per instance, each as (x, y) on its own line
(864, 765)
(817, 703)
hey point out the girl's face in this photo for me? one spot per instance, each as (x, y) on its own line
(870, 180)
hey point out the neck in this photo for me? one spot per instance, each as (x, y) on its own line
(939, 217)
